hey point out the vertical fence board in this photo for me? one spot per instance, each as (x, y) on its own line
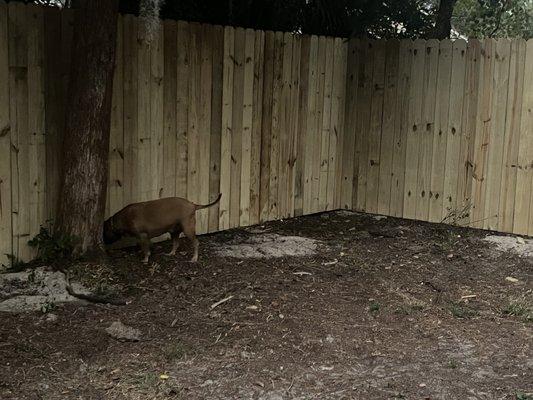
(414, 129)
(130, 109)
(325, 124)
(427, 127)
(266, 127)
(387, 128)
(468, 132)
(226, 134)
(18, 92)
(300, 167)
(350, 164)
(204, 124)
(310, 136)
(293, 123)
(237, 126)
(338, 118)
(400, 129)
(5, 142)
(182, 108)
(156, 114)
(170, 49)
(247, 128)
(216, 124)
(496, 135)
(453, 144)
(115, 182)
(277, 87)
(364, 108)
(36, 121)
(374, 132)
(511, 140)
(440, 133)
(257, 117)
(523, 216)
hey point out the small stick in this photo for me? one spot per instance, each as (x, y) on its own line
(221, 301)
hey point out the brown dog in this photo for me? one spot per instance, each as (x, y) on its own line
(150, 219)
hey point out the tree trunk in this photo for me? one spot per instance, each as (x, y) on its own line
(88, 116)
(443, 23)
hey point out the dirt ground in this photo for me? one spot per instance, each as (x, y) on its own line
(384, 309)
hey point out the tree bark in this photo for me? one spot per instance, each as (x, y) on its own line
(443, 23)
(88, 117)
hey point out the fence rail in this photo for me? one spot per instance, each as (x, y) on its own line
(283, 125)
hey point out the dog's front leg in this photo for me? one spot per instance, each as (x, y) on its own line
(145, 246)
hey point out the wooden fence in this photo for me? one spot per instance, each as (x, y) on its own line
(283, 125)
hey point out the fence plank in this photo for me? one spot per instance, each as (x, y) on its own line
(204, 125)
(182, 108)
(146, 170)
(364, 108)
(350, 165)
(311, 135)
(54, 114)
(337, 124)
(36, 121)
(293, 122)
(226, 134)
(275, 127)
(511, 140)
(483, 128)
(387, 126)
(414, 129)
(427, 132)
(216, 124)
(257, 117)
(247, 115)
(324, 127)
(400, 129)
(130, 109)
(170, 49)
(496, 135)
(156, 113)
(286, 134)
(18, 92)
(453, 143)
(374, 132)
(300, 167)
(440, 136)
(266, 127)
(237, 127)
(468, 131)
(115, 185)
(5, 142)
(522, 216)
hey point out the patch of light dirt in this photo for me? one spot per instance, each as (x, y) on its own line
(270, 245)
(513, 244)
(33, 290)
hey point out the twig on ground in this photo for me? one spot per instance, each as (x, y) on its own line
(221, 302)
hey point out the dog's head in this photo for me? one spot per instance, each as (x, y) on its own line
(111, 234)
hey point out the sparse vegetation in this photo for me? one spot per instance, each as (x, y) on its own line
(374, 307)
(51, 245)
(519, 309)
(174, 351)
(462, 311)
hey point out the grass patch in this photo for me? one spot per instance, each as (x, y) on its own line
(374, 307)
(452, 364)
(524, 396)
(462, 311)
(174, 351)
(519, 309)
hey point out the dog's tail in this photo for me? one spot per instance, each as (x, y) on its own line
(201, 206)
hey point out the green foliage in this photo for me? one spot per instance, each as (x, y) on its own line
(52, 245)
(524, 396)
(15, 264)
(494, 18)
(462, 311)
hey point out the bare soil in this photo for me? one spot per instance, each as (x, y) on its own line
(383, 309)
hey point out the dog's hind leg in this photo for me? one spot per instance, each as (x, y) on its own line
(145, 246)
(189, 229)
(175, 234)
